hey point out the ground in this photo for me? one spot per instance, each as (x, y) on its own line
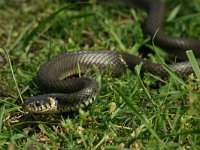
(132, 111)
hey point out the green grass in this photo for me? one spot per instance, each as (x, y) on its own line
(128, 112)
(194, 63)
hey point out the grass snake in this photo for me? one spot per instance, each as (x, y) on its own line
(70, 94)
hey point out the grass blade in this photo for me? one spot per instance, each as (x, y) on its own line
(166, 67)
(1, 116)
(13, 75)
(193, 63)
(137, 70)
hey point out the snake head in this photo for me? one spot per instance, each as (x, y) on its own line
(40, 104)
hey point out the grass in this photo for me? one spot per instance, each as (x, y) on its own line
(194, 63)
(128, 112)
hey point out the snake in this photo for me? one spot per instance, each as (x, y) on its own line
(65, 78)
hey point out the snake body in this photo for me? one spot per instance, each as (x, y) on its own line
(68, 93)
(174, 45)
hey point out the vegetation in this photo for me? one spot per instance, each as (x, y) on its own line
(133, 111)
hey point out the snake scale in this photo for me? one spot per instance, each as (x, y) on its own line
(69, 94)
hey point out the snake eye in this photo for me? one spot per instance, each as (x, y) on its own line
(37, 103)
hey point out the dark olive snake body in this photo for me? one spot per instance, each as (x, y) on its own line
(70, 94)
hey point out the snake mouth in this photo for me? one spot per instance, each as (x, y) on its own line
(50, 105)
(45, 105)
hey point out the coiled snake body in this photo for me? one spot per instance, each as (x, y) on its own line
(70, 94)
